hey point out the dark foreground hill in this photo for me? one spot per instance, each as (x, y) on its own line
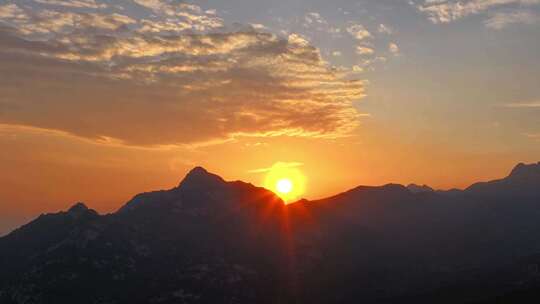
(212, 241)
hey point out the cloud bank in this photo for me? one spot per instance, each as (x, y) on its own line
(177, 75)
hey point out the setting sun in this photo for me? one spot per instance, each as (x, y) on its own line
(285, 180)
(284, 186)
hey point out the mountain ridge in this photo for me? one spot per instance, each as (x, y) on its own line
(208, 240)
(199, 177)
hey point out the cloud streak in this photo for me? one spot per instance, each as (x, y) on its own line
(74, 3)
(503, 19)
(532, 104)
(277, 165)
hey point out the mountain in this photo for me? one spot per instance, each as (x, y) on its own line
(522, 182)
(212, 241)
(417, 188)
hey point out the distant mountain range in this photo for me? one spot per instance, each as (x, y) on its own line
(212, 241)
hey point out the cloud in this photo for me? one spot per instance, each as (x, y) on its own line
(25, 21)
(155, 26)
(102, 77)
(277, 165)
(258, 26)
(385, 29)
(297, 39)
(176, 16)
(364, 50)
(13, 130)
(74, 3)
(393, 48)
(532, 104)
(313, 22)
(357, 69)
(12, 12)
(314, 18)
(164, 7)
(360, 34)
(503, 19)
(358, 31)
(445, 11)
(188, 15)
(185, 16)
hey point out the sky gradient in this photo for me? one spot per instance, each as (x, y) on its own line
(101, 100)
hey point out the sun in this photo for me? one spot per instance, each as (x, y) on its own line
(284, 186)
(286, 180)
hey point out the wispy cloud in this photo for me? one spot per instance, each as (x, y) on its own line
(532, 104)
(445, 11)
(503, 19)
(533, 136)
(279, 165)
(14, 130)
(27, 22)
(74, 3)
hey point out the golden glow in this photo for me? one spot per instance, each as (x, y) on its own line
(286, 181)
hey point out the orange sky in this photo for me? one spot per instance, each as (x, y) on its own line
(99, 102)
(50, 171)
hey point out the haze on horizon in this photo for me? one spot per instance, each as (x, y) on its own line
(100, 100)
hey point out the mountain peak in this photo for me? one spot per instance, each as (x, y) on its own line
(200, 177)
(198, 170)
(522, 182)
(526, 170)
(414, 188)
(78, 208)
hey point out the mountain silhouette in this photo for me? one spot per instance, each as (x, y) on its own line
(522, 182)
(417, 188)
(213, 241)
